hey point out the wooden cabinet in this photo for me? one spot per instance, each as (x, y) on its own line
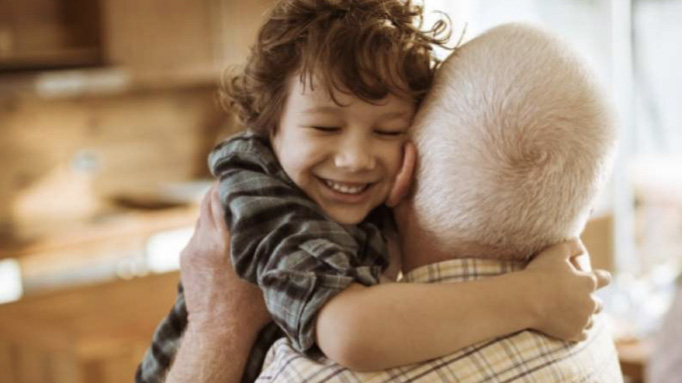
(155, 41)
(180, 40)
(237, 26)
(159, 40)
(47, 34)
(90, 334)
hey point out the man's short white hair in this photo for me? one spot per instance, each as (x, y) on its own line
(514, 142)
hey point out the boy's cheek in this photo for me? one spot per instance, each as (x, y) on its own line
(396, 158)
(400, 159)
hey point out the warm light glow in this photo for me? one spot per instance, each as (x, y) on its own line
(163, 249)
(10, 281)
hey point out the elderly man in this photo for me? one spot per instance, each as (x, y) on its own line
(513, 144)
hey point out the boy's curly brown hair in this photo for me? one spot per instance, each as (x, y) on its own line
(369, 48)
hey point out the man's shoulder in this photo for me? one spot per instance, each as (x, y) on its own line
(518, 357)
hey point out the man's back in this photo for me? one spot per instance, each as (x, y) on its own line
(526, 356)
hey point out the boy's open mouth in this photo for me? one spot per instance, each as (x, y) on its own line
(346, 188)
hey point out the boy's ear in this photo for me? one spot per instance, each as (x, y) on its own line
(403, 180)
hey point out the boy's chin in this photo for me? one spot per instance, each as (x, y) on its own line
(348, 216)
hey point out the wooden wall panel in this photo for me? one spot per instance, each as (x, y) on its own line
(62, 159)
(95, 333)
(48, 33)
(7, 362)
(237, 24)
(191, 39)
(66, 368)
(32, 365)
(178, 30)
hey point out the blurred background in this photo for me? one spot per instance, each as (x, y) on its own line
(108, 109)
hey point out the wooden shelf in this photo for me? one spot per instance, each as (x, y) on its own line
(50, 59)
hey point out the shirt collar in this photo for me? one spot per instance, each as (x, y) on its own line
(462, 270)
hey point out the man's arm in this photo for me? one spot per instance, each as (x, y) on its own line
(210, 356)
(225, 312)
(388, 325)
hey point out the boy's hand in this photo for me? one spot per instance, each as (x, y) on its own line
(566, 304)
(217, 300)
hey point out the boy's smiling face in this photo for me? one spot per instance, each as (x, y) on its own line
(344, 157)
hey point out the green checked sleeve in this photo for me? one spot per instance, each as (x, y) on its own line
(282, 241)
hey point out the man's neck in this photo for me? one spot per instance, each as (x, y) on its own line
(417, 251)
(420, 248)
(416, 245)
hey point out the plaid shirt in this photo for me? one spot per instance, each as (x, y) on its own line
(525, 356)
(284, 242)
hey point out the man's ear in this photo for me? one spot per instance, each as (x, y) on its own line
(403, 180)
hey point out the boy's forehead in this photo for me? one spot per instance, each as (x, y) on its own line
(314, 90)
(318, 88)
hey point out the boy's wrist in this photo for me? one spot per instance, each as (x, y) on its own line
(531, 300)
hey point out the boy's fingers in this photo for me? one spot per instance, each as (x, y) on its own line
(603, 278)
(583, 336)
(582, 262)
(404, 178)
(590, 324)
(598, 305)
(569, 249)
(576, 247)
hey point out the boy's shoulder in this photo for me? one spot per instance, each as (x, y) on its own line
(243, 142)
(246, 148)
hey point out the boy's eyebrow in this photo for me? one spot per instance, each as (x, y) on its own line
(394, 115)
(322, 109)
(335, 110)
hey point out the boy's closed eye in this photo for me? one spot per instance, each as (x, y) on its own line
(383, 132)
(389, 133)
(326, 129)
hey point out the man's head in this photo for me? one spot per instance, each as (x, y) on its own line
(514, 142)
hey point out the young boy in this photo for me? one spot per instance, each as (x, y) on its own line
(328, 95)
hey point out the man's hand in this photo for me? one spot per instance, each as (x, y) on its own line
(225, 312)
(214, 294)
(565, 288)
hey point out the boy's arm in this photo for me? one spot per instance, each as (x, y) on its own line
(388, 325)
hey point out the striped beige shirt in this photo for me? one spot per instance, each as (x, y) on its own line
(525, 356)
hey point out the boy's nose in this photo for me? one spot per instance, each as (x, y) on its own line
(355, 156)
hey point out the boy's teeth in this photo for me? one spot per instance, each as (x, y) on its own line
(345, 188)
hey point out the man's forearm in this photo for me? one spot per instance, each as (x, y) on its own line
(208, 356)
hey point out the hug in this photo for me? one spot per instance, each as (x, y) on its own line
(405, 219)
